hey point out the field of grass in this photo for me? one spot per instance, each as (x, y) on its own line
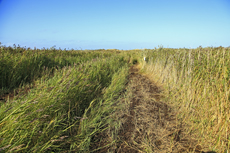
(70, 99)
(74, 96)
(197, 83)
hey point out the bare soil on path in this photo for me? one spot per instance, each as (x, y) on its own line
(150, 124)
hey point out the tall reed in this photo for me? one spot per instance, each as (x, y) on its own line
(197, 83)
(63, 112)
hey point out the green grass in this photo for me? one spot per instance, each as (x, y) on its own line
(20, 66)
(62, 112)
(75, 95)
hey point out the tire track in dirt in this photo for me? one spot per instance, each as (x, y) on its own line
(150, 125)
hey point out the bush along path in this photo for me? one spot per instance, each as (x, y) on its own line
(149, 124)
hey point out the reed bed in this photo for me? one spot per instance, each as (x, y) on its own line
(64, 110)
(197, 83)
(74, 95)
(19, 66)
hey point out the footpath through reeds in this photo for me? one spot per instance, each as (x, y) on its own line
(176, 100)
(148, 123)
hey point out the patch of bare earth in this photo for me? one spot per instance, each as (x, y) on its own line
(150, 124)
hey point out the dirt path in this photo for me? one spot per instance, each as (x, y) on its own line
(150, 124)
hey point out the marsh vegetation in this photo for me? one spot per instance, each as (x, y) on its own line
(82, 101)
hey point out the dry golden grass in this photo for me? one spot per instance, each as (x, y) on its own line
(197, 83)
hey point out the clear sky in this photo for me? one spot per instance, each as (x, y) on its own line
(120, 24)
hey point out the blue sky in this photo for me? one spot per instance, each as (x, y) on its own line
(120, 24)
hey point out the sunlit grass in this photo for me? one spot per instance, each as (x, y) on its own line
(75, 95)
(64, 111)
(196, 82)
